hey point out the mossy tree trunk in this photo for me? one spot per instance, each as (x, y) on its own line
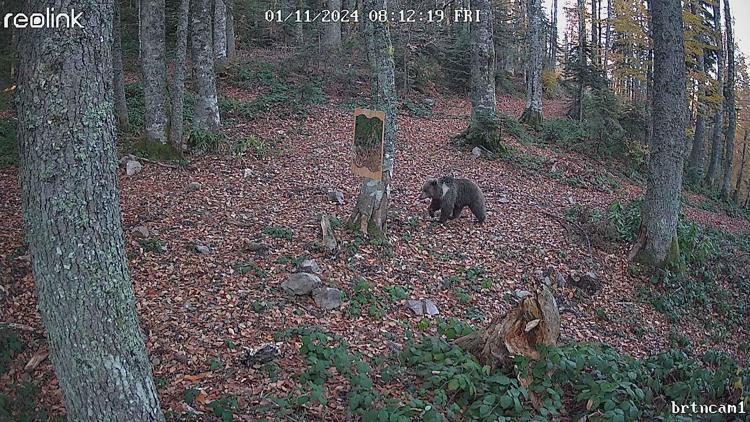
(154, 69)
(206, 110)
(717, 146)
(729, 105)
(73, 221)
(533, 113)
(178, 78)
(371, 210)
(483, 130)
(121, 107)
(657, 244)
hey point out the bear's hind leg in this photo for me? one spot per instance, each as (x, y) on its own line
(457, 212)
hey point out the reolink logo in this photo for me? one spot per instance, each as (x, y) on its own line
(49, 19)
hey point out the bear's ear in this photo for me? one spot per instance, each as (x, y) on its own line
(432, 181)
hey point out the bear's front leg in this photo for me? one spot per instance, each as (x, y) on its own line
(434, 206)
(446, 211)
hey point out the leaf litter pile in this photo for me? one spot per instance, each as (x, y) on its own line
(210, 243)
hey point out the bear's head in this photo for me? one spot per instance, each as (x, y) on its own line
(431, 189)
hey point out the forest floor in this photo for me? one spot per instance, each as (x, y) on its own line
(201, 311)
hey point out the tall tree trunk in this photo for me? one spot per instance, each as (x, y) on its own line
(293, 33)
(371, 211)
(657, 244)
(698, 152)
(332, 29)
(533, 113)
(717, 146)
(736, 196)
(231, 42)
(206, 112)
(577, 111)
(178, 79)
(594, 33)
(121, 106)
(608, 42)
(154, 72)
(483, 130)
(73, 219)
(650, 77)
(553, 36)
(729, 105)
(220, 34)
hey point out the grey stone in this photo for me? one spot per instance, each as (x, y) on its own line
(327, 297)
(310, 266)
(429, 102)
(202, 249)
(336, 196)
(301, 284)
(193, 186)
(416, 306)
(430, 307)
(141, 232)
(561, 282)
(133, 167)
(476, 152)
(422, 307)
(522, 293)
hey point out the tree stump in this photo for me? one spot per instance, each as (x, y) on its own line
(536, 320)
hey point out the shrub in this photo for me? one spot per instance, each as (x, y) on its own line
(551, 84)
(253, 143)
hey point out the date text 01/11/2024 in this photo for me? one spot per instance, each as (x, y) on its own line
(396, 16)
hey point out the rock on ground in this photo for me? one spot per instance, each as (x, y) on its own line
(301, 284)
(133, 167)
(310, 266)
(327, 297)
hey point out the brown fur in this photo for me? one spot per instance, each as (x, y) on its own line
(450, 196)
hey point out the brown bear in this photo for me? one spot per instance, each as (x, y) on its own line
(450, 195)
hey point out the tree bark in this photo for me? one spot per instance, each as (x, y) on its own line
(577, 111)
(483, 130)
(736, 196)
(729, 105)
(371, 211)
(73, 219)
(178, 79)
(206, 112)
(533, 113)
(231, 42)
(553, 36)
(293, 33)
(220, 34)
(154, 72)
(332, 35)
(608, 42)
(717, 147)
(698, 152)
(121, 106)
(657, 244)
